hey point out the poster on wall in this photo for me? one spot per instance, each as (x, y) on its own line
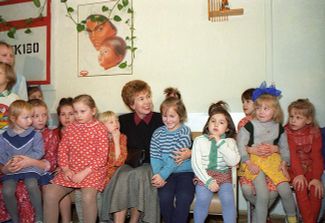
(29, 34)
(105, 47)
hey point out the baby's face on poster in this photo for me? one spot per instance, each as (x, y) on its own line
(107, 57)
(98, 32)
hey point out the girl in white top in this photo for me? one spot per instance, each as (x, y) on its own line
(213, 155)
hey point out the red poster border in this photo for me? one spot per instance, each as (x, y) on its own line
(37, 22)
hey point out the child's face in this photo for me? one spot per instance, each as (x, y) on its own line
(218, 125)
(83, 113)
(264, 112)
(3, 80)
(23, 121)
(248, 106)
(107, 57)
(112, 124)
(297, 120)
(36, 95)
(40, 117)
(98, 32)
(171, 119)
(66, 115)
(142, 104)
(6, 55)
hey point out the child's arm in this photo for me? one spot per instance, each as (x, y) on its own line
(181, 155)
(120, 159)
(242, 141)
(316, 155)
(37, 151)
(229, 152)
(25, 161)
(155, 153)
(284, 148)
(157, 181)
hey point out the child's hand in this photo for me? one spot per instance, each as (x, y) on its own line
(213, 186)
(67, 174)
(299, 182)
(253, 168)
(21, 161)
(284, 169)
(157, 181)
(215, 137)
(181, 155)
(319, 190)
(116, 136)
(79, 177)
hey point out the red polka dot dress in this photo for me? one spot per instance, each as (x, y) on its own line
(82, 146)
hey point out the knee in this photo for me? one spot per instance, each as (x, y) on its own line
(248, 191)
(8, 191)
(88, 198)
(185, 198)
(31, 184)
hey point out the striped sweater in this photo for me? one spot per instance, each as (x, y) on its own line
(163, 143)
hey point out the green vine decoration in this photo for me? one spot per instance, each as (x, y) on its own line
(12, 30)
(112, 13)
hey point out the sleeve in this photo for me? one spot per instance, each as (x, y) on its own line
(230, 152)
(155, 154)
(169, 167)
(284, 148)
(242, 141)
(100, 157)
(295, 166)
(3, 156)
(51, 150)
(63, 150)
(37, 151)
(121, 159)
(316, 153)
(196, 160)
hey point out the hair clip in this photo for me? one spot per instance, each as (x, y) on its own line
(263, 89)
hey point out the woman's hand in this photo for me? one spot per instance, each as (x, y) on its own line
(181, 155)
(319, 190)
(157, 181)
(299, 182)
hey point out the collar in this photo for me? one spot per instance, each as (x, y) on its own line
(25, 133)
(146, 119)
(86, 125)
(5, 93)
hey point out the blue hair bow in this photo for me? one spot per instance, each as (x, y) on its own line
(263, 89)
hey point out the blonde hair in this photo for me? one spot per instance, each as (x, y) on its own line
(306, 108)
(173, 100)
(273, 103)
(104, 116)
(16, 108)
(10, 75)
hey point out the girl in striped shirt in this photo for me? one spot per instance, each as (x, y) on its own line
(174, 181)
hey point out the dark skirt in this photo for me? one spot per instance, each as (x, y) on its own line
(131, 188)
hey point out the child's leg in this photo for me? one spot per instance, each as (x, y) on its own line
(35, 197)
(52, 194)
(184, 195)
(166, 199)
(78, 204)
(202, 202)
(248, 193)
(287, 199)
(89, 204)
(65, 209)
(226, 195)
(262, 197)
(8, 191)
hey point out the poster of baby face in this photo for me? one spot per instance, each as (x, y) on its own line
(105, 45)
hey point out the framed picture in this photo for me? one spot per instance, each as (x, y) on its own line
(30, 35)
(105, 46)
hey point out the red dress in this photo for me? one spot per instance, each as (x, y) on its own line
(306, 159)
(84, 145)
(26, 210)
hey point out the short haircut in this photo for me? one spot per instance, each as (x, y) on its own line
(10, 75)
(37, 103)
(16, 108)
(131, 89)
(104, 116)
(32, 89)
(247, 94)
